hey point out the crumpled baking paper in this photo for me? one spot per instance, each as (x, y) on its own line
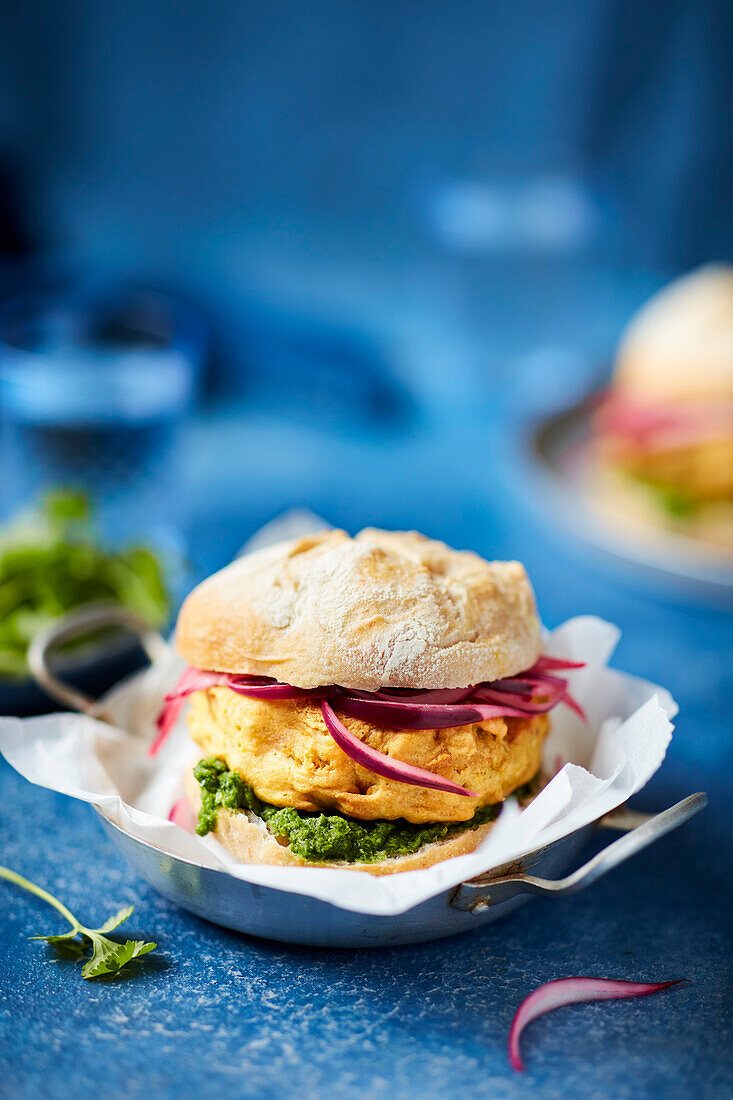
(596, 767)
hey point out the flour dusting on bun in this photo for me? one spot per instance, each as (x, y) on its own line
(383, 609)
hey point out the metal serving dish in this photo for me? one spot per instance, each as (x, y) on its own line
(558, 468)
(96, 669)
(295, 918)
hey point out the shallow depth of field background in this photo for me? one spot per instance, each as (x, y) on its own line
(403, 231)
(343, 255)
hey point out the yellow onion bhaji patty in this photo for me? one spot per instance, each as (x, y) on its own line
(284, 752)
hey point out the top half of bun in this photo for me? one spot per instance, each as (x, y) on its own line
(679, 346)
(383, 609)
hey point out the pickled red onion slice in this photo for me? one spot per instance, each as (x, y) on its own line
(422, 716)
(383, 765)
(182, 815)
(407, 695)
(567, 991)
(193, 679)
(543, 664)
(273, 690)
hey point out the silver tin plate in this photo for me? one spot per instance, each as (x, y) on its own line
(296, 918)
(557, 467)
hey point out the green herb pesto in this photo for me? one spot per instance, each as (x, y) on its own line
(321, 837)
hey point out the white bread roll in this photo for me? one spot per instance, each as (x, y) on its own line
(679, 346)
(383, 609)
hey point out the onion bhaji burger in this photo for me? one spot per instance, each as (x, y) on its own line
(664, 432)
(362, 702)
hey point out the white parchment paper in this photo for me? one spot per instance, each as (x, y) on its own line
(598, 766)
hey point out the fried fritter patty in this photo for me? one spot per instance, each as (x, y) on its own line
(703, 470)
(285, 752)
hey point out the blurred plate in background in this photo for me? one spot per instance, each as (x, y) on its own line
(559, 467)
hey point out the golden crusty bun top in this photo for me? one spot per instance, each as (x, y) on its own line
(383, 609)
(680, 344)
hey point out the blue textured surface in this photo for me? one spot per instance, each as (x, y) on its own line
(213, 1012)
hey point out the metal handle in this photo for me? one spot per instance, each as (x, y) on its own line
(90, 617)
(475, 895)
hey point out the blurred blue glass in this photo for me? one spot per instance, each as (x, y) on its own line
(94, 389)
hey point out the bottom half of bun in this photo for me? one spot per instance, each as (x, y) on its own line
(249, 841)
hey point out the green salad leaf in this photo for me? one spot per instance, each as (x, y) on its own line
(52, 561)
(108, 956)
(673, 500)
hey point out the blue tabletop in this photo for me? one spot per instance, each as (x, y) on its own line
(214, 1012)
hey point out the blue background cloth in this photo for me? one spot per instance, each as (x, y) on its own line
(213, 1012)
(150, 133)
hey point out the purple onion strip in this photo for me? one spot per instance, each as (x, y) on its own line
(568, 991)
(383, 765)
(422, 716)
(534, 692)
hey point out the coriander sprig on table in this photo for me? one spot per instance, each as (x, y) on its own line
(108, 956)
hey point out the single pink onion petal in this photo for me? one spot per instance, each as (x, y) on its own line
(193, 679)
(511, 686)
(384, 765)
(559, 682)
(574, 705)
(422, 716)
(544, 663)
(546, 678)
(273, 690)
(165, 722)
(568, 991)
(406, 695)
(549, 696)
(182, 815)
